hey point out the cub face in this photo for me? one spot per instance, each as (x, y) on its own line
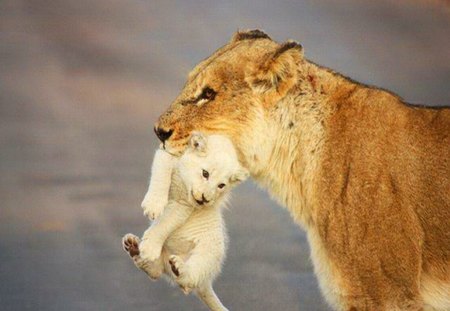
(210, 168)
(228, 92)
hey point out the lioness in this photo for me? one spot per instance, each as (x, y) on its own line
(367, 175)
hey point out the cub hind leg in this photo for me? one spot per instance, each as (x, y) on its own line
(153, 269)
(188, 279)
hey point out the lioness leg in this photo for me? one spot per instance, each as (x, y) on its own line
(369, 263)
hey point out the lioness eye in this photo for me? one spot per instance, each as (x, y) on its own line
(207, 93)
(221, 186)
(205, 174)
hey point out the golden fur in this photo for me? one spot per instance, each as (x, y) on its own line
(365, 174)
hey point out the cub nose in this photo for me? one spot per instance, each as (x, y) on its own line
(163, 135)
(203, 201)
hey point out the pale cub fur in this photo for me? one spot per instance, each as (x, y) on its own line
(187, 241)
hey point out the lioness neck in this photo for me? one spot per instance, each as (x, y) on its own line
(283, 150)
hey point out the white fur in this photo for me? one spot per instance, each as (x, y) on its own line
(188, 236)
(435, 293)
(155, 200)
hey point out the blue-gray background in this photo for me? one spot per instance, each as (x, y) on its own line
(82, 82)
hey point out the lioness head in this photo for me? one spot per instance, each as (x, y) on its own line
(210, 168)
(225, 93)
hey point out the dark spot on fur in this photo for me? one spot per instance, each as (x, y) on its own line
(345, 183)
(266, 84)
(312, 80)
(277, 80)
(291, 124)
(393, 184)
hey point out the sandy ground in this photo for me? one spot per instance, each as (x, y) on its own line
(81, 83)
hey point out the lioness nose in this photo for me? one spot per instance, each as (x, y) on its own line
(163, 135)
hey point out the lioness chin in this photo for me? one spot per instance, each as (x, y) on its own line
(367, 175)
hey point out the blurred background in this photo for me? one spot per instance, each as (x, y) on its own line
(81, 84)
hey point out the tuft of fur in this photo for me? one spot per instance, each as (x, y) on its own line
(366, 174)
(187, 240)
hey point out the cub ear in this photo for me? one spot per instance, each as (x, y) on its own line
(198, 142)
(276, 73)
(239, 176)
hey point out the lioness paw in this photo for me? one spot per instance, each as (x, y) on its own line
(130, 244)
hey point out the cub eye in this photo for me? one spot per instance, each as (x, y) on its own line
(207, 93)
(221, 186)
(205, 174)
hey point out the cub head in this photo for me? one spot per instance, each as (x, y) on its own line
(210, 168)
(228, 92)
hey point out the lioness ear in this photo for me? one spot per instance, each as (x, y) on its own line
(249, 34)
(239, 176)
(198, 142)
(276, 74)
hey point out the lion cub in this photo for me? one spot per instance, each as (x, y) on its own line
(187, 241)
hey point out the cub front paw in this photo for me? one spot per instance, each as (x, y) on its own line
(130, 244)
(150, 250)
(153, 207)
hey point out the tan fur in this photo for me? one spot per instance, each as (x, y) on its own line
(365, 174)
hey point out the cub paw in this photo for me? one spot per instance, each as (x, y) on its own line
(150, 250)
(153, 208)
(130, 244)
(179, 270)
(176, 264)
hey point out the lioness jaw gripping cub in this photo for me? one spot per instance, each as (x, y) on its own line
(365, 174)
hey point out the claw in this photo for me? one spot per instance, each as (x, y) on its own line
(174, 269)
